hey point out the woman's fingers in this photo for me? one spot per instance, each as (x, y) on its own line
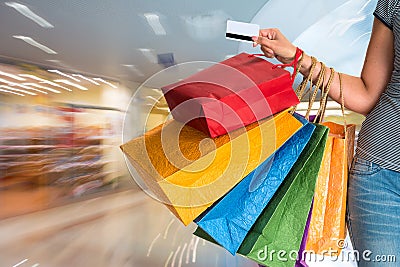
(274, 44)
(261, 40)
(267, 51)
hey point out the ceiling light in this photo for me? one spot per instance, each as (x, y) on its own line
(86, 78)
(134, 69)
(40, 91)
(17, 90)
(59, 63)
(10, 92)
(64, 74)
(31, 77)
(4, 81)
(56, 85)
(44, 81)
(15, 77)
(154, 21)
(103, 81)
(149, 54)
(32, 42)
(166, 59)
(20, 85)
(20, 263)
(43, 87)
(28, 88)
(72, 84)
(24, 10)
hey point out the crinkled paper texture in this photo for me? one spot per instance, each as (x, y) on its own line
(327, 227)
(191, 189)
(282, 223)
(231, 218)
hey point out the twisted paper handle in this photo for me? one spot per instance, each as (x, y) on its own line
(312, 89)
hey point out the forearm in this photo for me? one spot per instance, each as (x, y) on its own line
(360, 93)
(356, 95)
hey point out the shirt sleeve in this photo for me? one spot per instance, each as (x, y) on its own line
(386, 10)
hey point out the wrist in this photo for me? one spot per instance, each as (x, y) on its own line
(306, 64)
(287, 59)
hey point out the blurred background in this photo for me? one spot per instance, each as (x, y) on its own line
(79, 78)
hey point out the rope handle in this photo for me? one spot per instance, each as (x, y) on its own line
(301, 91)
(320, 81)
(301, 88)
(342, 103)
(323, 103)
(324, 97)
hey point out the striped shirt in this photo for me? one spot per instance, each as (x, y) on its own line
(379, 137)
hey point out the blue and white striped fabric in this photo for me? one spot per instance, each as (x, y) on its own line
(378, 139)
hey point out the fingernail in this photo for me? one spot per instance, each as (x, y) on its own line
(254, 38)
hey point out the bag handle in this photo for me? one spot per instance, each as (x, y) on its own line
(320, 81)
(342, 103)
(324, 98)
(296, 63)
(301, 91)
(301, 88)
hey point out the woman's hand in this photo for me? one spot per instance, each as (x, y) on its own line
(274, 44)
(360, 93)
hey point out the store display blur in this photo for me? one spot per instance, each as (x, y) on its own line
(59, 138)
(67, 198)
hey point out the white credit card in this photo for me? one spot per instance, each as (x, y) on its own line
(241, 31)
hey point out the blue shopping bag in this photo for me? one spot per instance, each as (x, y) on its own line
(229, 220)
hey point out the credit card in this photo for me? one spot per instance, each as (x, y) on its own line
(241, 31)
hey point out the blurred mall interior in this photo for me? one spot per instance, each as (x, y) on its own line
(80, 78)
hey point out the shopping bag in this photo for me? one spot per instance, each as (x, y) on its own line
(188, 171)
(230, 219)
(327, 228)
(231, 94)
(280, 227)
(301, 258)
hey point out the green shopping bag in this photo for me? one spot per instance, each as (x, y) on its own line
(275, 238)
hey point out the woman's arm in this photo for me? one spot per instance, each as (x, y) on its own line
(360, 93)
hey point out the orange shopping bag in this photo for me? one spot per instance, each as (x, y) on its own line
(327, 229)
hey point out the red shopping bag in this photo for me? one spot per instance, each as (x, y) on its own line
(232, 94)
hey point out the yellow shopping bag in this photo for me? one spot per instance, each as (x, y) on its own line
(188, 171)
